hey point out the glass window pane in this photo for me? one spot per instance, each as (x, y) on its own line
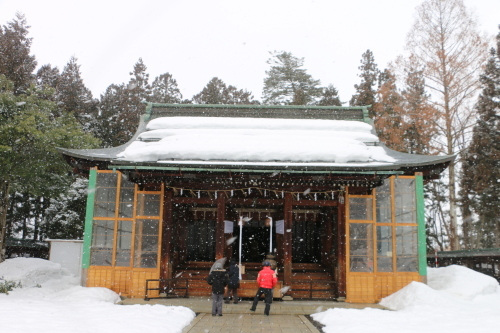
(383, 199)
(406, 249)
(146, 243)
(123, 243)
(384, 249)
(148, 204)
(405, 209)
(105, 195)
(361, 247)
(102, 243)
(360, 208)
(126, 204)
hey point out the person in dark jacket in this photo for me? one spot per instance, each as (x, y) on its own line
(218, 279)
(234, 281)
(266, 279)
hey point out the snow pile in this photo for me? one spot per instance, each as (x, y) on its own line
(52, 301)
(457, 300)
(32, 271)
(461, 281)
(256, 140)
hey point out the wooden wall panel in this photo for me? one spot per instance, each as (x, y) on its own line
(100, 277)
(121, 281)
(384, 285)
(360, 288)
(129, 282)
(139, 277)
(371, 288)
(401, 280)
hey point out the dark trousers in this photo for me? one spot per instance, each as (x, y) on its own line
(217, 304)
(268, 293)
(233, 291)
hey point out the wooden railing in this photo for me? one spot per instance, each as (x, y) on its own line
(166, 288)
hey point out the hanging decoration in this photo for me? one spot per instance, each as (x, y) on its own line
(330, 194)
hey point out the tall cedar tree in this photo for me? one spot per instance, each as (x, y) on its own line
(288, 83)
(48, 77)
(112, 104)
(366, 90)
(16, 63)
(330, 97)
(420, 115)
(445, 39)
(73, 97)
(217, 92)
(165, 90)
(390, 122)
(481, 169)
(121, 107)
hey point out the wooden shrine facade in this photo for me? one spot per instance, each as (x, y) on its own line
(371, 240)
(161, 207)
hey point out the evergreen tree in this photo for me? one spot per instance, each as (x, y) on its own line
(389, 123)
(481, 169)
(217, 92)
(64, 217)
(138, 91)
(109, 127)
(72, 95)
(330, 97)
(366, 90)
(48, 77)
(121, 107)
(29, 134)
(420, 116)
(288, 83)
(165, 90)
(16, 63)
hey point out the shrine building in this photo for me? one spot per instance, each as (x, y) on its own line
(311, 187)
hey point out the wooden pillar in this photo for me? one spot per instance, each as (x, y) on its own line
(167, 233)
(220, 244)
(287, 240)
(340, 276)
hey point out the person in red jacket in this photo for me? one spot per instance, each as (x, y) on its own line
(266, 279)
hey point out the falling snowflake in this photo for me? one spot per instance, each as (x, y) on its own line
(231, 240)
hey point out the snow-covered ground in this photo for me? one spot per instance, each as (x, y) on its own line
(52, 301)
(456, 299)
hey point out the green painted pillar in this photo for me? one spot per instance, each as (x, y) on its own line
(89, 216)
(422, 241)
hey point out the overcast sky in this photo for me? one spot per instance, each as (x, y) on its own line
(197, 40)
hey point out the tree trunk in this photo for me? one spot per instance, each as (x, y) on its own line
(454, 239)
(4, 204)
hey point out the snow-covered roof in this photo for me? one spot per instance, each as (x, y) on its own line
(255, 140)
(258, 137)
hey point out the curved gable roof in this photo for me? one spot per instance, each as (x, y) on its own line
(257, 137)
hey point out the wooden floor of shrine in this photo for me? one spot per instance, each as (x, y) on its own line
(309, 281)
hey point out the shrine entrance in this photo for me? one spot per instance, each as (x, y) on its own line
(257, 233)
(306, 236)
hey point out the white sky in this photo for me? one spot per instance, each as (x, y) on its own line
(197, 40)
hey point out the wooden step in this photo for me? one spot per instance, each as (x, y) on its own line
(311, 276)
(309, 281)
